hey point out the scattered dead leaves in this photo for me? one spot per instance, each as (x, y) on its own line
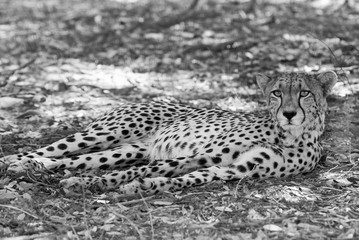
(63, 63)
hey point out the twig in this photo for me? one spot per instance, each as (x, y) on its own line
(227, 45)
(193, 5)
(150, 215)
(46, 235)
(188, 13)
(137, 200)
(8, 75)
(131, 223)
(85, 212)
(19, 209)
(252, 6)
(336, 60)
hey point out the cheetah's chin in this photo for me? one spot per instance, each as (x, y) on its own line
(287, 125)
(290, 127)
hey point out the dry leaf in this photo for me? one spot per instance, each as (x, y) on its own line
(27, 196)
(272, 227)
(223, 209)
(21, 217)
(162, 203)
(254, 215)
(8, 102)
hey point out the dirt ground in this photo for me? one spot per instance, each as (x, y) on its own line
(62, 63)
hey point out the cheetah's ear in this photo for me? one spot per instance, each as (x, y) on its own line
(327, 80)
(262, 81)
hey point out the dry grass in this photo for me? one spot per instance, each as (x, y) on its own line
(84, 57)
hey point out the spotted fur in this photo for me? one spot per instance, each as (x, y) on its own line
(161, 146)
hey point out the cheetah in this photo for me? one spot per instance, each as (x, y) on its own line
(155, 147)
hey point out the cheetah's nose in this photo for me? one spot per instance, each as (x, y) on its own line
(289, 115)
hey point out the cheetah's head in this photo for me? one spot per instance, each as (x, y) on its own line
(297, 99)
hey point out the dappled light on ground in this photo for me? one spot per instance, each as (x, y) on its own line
(63, 63)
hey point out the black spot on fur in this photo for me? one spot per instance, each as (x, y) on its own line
(255, 175)
(225, 150)
(62, 146)
(275, 164)
(235, 155)
(265, 155)
(258, 160)
(169, 174)
(216, 160)
(174, 164)
(241, 168)
(229, 172)
(110, 138)
(202, 161)
(89, 138)
(50, 149)
(81, 166)
(102, 133)
(250, 166)
(119, 162)
(82, 145)
(192, 145)
(104, 167)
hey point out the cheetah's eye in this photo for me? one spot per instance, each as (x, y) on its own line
(277, 93)
(304, 93)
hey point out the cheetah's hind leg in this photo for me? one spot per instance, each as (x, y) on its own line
(121, 157)
(47, 157)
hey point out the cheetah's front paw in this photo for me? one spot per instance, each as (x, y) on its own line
(6, 161)
(30, 164)
(145, 186)
(85, 182)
